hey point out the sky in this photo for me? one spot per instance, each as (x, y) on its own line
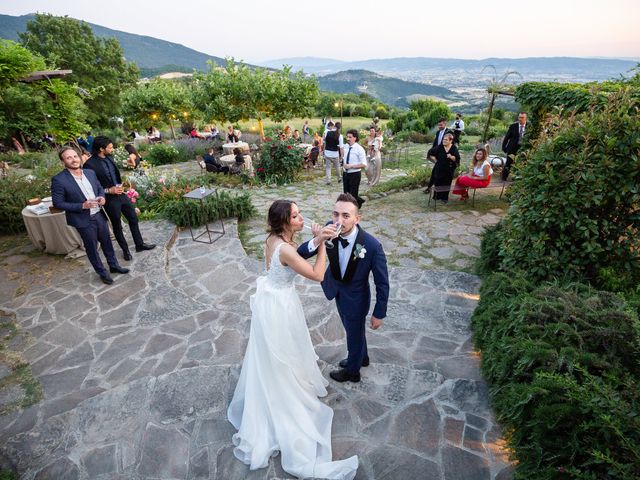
(258, 30)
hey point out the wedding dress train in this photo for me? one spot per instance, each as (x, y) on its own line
(275, 405)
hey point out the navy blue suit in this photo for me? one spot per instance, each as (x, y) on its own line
(352, 293)
(67, 195)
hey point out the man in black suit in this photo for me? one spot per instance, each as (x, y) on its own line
(118, 202)
(81, 196)
(512, 141)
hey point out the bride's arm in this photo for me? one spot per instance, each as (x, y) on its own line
(289, 257)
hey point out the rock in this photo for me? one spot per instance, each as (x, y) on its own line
(100, 461)
(389, 462)
(165, 453)
(159, 343)
(61, 383)
(459, 464)
(62, 469)
(417, 427)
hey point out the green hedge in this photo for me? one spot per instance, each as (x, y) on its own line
(219, 205)
(563, 363)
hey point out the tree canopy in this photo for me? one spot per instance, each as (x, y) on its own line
(239, 92)
(33, 109)
(98, 64)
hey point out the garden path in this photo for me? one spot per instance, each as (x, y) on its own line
(136, 376)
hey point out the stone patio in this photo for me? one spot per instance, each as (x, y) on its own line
(136, 376)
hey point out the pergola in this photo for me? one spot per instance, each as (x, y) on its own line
(45, 75)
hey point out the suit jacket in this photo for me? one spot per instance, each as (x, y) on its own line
(511, 142)
(96, 164)
(352, 293)
(67, 195)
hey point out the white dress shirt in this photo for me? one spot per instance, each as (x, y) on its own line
(343, 253)
(358, 155)
(87, 191)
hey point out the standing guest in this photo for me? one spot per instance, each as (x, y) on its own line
(333, 151)
(231, 135)
(355, 160)
(442, 131)
(447, 159)
(479, 177)
(374, 144)
(512, 141)
(458, 128)
(81, 196)
(134, 158)
(84, 155)
(118, 202)
(305, 130)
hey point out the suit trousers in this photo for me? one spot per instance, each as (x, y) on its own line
(328, 162)
(98, 231)
(356, 342)
(116, 206)
(351, 184)
(507, 167)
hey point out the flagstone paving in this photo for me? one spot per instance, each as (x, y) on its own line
(136, 376)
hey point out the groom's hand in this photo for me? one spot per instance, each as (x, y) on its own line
(376, 323)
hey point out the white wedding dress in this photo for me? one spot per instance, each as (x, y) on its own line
(275, 405)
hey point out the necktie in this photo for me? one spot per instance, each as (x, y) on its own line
(344, 242)
(521, 132)
(348, 154)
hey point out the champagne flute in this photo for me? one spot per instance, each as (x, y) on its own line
(329, 243)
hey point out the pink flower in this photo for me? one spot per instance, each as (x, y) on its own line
(289, 147)
(133, 195)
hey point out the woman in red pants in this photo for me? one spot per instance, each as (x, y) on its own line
(479, 177)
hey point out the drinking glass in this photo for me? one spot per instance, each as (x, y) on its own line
(329, 243)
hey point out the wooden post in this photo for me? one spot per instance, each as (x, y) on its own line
(489, 112)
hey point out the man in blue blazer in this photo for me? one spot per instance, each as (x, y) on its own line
(355, 256)
(81, 196)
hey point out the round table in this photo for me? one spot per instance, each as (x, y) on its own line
(227, 148)
(50, 233)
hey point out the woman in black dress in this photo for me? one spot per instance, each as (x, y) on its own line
(447, 159)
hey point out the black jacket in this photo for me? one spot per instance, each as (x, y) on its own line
(511, 142)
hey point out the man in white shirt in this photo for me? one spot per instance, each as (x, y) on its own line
(458, 127)
(81, 196)
(354, 161)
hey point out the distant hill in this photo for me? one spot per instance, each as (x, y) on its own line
(153, 56)
(389, 90)
(455, 71)
(300, 63)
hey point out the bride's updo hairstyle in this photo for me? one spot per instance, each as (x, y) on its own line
(278, 217)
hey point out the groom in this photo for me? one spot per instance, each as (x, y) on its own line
(356, 255)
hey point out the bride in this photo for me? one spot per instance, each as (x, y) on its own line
(275, 405)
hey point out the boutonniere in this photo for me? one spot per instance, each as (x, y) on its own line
(359, 251)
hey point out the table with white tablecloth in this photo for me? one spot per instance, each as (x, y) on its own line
(227, 148)
(50, 233)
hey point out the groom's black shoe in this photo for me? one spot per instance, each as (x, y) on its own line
(343, 376)
(343, 363)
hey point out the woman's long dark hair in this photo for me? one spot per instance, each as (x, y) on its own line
(278, 218)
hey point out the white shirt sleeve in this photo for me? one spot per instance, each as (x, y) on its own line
(311, 246)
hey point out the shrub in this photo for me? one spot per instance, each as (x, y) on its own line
(216, 206)
(189, 148)
(574, 201)
(16, 190)
(280, 162)
(162, 154)
(563, 364)
(416, 137)
(31, 159)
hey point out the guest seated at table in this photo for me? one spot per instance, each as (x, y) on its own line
(195, 134)
(296, 136)
(312, 158)
(318, 138)
(212, 164)
(153, 135)
(215, 133)
(231, 135)
(288, 133)
(479, 177)
(134, 159)
(239, 163)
